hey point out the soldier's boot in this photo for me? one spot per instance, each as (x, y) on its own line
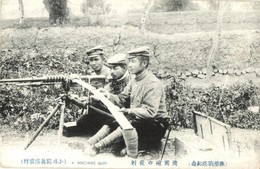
(102, 133)
(123, 152)
(131, 141)
(108, 140)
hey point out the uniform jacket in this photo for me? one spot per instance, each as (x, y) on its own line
(147, 96)
(116, 86)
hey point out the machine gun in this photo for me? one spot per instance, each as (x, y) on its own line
(91, 84)
(97, 81)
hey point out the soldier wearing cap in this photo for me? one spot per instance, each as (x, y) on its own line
(147, 110)
(95, 58)
(120, 75)
(92, 121)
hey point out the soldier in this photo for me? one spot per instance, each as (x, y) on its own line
(147, 111)
(93, 121)
(120, 75)
(95, 58)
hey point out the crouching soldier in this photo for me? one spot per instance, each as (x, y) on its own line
(147, 112)
(92, 121)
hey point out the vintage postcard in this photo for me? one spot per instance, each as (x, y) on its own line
(130, 84)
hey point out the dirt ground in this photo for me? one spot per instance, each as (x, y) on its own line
(246, 146)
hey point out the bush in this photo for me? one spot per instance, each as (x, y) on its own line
(170, 5)
(26, 107)
(95, 7)
(229, 105)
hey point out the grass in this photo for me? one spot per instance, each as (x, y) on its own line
(43, 22)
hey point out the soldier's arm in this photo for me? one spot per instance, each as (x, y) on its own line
(154, 93)
(121, 99)
(80, 102)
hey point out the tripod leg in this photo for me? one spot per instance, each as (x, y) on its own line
(165, 145)
(61, 122)
(42, 126)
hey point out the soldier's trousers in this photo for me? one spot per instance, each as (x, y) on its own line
(149, 131)
(91, 122)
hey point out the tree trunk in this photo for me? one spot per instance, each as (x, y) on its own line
(47, 5)
(216, 37)
(145, 14)
(21, 9)
(57, 10)
(86, 7)
(1, 2)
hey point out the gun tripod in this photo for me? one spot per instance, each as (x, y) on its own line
(61, 107)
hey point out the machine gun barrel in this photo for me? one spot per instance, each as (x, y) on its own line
(40, 79)
(52, 79)
(47, 79)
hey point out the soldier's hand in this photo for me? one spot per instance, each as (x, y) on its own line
(104, 92)
(73, 96)
(128, 114)
(125, 111)
(93, 98)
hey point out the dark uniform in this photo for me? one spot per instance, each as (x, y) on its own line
(92, 120)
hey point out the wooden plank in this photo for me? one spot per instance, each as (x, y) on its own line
(212, 130)
(180, 148)
(119, 116)
(193, 146)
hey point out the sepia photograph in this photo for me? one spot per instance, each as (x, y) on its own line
(130, 84)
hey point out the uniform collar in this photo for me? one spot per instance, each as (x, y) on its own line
(126, 75)
(141, 75)
(124, 78)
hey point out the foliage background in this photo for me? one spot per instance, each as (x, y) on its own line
(56, 51)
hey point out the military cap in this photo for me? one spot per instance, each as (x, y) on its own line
(142, 51)
(117, 59)
(96, 51)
